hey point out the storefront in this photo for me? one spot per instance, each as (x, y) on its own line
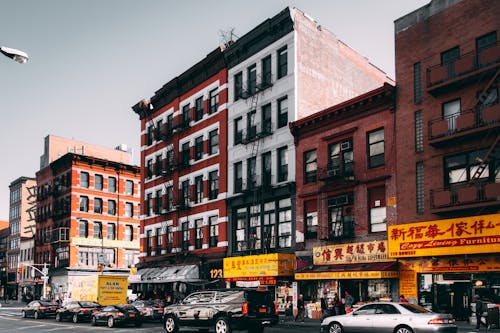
(362, 269)
(444, 263)
(273, 271)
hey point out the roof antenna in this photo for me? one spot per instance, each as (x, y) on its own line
(227, 37)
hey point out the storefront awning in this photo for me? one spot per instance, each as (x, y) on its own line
(189, 273)
(378, 270)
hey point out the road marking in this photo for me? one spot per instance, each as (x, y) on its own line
(58, 328)
(28, 327)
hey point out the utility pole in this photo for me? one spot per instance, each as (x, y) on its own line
(45, 275)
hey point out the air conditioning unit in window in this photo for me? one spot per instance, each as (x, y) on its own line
(346, 145)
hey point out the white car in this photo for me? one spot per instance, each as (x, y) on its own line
(390, 317)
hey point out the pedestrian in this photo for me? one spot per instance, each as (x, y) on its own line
(337, 304)
(300, 308)
(480, 308)
(288, 309)
(324, 305)
(402, 299)
(348, 301)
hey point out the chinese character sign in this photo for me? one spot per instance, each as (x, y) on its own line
(365, 252)
(467, 235)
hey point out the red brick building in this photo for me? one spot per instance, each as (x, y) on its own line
(87, 220)
(345, 188)
(184, 159)
(448, 161)
(4, 245)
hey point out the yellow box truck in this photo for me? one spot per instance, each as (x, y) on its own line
(103, 289)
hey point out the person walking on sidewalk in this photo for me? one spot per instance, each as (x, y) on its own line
(300, 308)
(480, 308)
(324, 306)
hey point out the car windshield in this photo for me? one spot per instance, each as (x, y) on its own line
(88, 304)
(43, 303)
(414, 308)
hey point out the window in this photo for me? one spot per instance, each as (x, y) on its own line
(129, 187)
(83, 229)
(84, 179)
(198, 109)
(112, 184)
(310, 166)
(266, 72)
(285, 223)
(238, 177)
(170, 161)
(341, 159)
(84, 204)
(129, 232)
(417, 83)
(185, 236)
(170, 238)
(158, 130)
(376, 148)
(251, 79)
(158, 165)
(419, 170)
(170, 124)
(98, 182)
(98, 230)
(251, 125)
(149, 168)
(185, 115)
(158, 241)
(149, 204)
(169, 198)
(251, 173)
(282, 112)
(213, 183)
(213, 144)
(340, 218)
(462, 168)
(266, 119)
(213, 226)
(198, 185)
(378, 220)
(111, 231)
(282, 164)
(486, 41)
(238, 130)
(185, 156)
(150, 135)
(419, 132)
(451, 111)
(111, 207)
(185, 193)
(266, 169)
(238, 86)
(199, 233)
(129, 209)
(241, 229)
(311, 225)
(214, 101)
(198, 148)
(158, 198)
(448, 59)
(149, 242)
(282, 62)
(98, 205)
(488, 98)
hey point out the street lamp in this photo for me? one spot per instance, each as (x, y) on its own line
(19, 56)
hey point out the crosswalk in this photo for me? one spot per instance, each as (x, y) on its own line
(10, 313)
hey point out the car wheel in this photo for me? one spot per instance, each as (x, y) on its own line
(36, 315)
(403, 329)
(93, 321)
(170, 325)
(23, 314)
(335, 328)
(222, 326)
(257, 328)
(75, 318)
(111, 322)
(58, 317)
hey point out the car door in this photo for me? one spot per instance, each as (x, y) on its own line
(196, 313)
(360, 320)
(30, 310)
(386, 317)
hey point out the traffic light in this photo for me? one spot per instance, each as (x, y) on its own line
(99, 267)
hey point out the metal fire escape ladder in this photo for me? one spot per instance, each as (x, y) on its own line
(484, 93)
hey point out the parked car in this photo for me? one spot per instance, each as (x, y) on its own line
(77, 311)
(224, 310)
(113, 315)
(390, 317)
(39, 309)
(149, 309)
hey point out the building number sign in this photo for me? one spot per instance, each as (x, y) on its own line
(216, 273)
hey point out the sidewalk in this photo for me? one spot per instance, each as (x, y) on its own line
(13, 304)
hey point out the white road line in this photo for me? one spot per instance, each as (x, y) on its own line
(28, 327)
(58, 328)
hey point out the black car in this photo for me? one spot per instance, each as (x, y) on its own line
(77, 311)
(223, 310)
(112, 315)
(149, 309)
(39, 309)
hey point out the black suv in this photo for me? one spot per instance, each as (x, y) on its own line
(223, 310)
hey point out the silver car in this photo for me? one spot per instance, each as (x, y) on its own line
(390, 317)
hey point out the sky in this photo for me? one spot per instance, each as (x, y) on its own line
(92, 60)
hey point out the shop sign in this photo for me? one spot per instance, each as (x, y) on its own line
(347, 275)
(466, 235)
(453, 264)
(364, 252)
(97, 242)
(263, 280)
(274, 264)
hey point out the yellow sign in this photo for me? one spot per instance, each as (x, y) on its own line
(365, 252)
(274, 264)
(97, 242)
(347, 275)
(465, 235)
(83, 288)
(112, 290)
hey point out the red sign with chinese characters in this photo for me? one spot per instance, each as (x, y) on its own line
(466, 235)
(365, 252)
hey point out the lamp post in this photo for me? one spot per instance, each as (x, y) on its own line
(17, 55)
(44, 274)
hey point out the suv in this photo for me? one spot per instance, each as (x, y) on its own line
(224, 310)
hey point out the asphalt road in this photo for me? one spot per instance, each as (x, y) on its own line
(11, 321)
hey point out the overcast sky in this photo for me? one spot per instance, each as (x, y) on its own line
(91, 60)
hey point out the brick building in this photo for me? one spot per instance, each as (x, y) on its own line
(448, 161)
(345, 175)
(87, 218)
(184, 163)
(4, 244)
